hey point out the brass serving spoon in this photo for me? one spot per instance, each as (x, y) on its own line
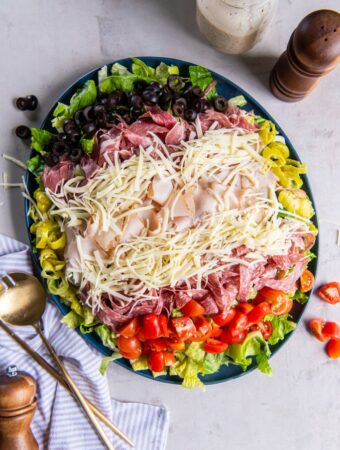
(22, 303)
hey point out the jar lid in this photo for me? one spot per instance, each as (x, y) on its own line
(17, 390)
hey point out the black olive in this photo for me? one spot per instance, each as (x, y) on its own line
(115, 99)
(204, 104)
(165, 98)
(59, 148)
(196, 91)
(136, 101)
(136, 112)
(156, 87)
(23, 132)
(32, 102)
(220, 103)
(190, 114)
(79, 118)
(98, 110)
(76, 154)
(175, 83)
(74, 136)
(51, 159)
(181, 101)
(127, 118)
(62, 137)
(178, 109)
(89, 129)
(88, 113)
(150, 97)
(102, 118)
(21, 103)
(140, 85)
(69, 125)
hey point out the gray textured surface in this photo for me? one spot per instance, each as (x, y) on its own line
(47, 44)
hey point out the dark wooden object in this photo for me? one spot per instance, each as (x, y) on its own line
(17, 407)
(313, 51)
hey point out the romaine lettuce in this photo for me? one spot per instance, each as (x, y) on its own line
(40, 139)
(202, 77)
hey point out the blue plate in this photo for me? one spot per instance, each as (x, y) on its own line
(228, 89)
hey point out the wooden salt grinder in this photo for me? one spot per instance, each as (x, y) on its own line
(313, 51)
(17, 407)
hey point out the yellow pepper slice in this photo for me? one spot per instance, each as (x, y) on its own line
(297, 202)
(267, 132)
(43, 202)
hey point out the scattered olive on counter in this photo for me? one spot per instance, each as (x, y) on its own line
(28, 103)
(23, 132)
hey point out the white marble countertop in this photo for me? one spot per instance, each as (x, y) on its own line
(47, 44)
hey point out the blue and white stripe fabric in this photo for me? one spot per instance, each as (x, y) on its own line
(59, 423)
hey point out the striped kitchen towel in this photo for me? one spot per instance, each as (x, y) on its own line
(59, 424)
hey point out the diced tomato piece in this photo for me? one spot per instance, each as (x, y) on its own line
(225, 317)
(175, 344)
(214, 346)
(331, 330)
(155, 345)
(231, 337)
(258, 313)
(132, 355)
(239, 322)
(156, 361)
(258, 299)
(169, 359)
(316, 328)
(151, 327)
(216, 332)
(333, 348)
(330, 292)
(163, 324)
(130, 329)
(193, 309)
(244, 307)
(128, 345)
(266, 329)
(184, 327)
(280, 302)
(306, 281)
(203, 329)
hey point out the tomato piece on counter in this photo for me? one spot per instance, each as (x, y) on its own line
(258, 313)
(163, 324)
(306, 281)
(175, 344)
(331, 330)
(333, 348)
(280, 302)
(216, 332)
(151, 327)
(130, 329)
(231, 337)
(203, 329)
(193, 309)
(329, 292)
(224, 317)
(130, 348)
(315, 326)
(245, 307)
(156, 361)
(184, 327)
(214, 346)
(169, 359)
(155, 345)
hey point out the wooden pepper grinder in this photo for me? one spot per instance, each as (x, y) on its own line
(17, 407)
(313, 51)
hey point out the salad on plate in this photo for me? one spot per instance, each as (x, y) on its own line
(171, 221)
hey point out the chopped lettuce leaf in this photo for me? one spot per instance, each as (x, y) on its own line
(239, 100)
(119, 69)
(263, 364)
(212, 362)
(300, 297)
(84, 96)
(106, 361)
(141, 69)
(40, 138)
(310, 255)
(102, 74)
(281, 326)
(35, 165)
(72, 320)
(163, 71)
(106, 336)
(60, 114)
(195, 352)
(202, 77)
(87, 145)
(159, 374)
(176, 313)
(140, 364)
(118, 82)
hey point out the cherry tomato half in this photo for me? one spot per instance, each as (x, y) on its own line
(280, 303)
(266, 329)
(203, 329)
(231, 337)
(133, 355)
(333, 348)
(184, 327)
(306, 281)
(193, 309)
(331, 330)
(163, 324)
(128, 345)
(216, 332)
(214, 346)
(130, 329)
(330, 292)
(316, 328)
(155, 345)
(245, 307)
(239, 322)
(224, 317)
(258, 313)
(175, 344)
(156, 361)
(151, 328)
(169, 359)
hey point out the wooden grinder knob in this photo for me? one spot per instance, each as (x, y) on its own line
(313, 51)
(17, 407)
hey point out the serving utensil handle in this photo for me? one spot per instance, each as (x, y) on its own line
(74, 389)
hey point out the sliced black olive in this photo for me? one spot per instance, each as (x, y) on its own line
(157, 87)
(98, 110)
(187, 90)
(59, 148)
(150, 97)
(220, 103)
(76, 154)
(181, 101)
(136, 112)
(196, 91)
(190, 114)
(21, 103)
(32, 102)
(127, 118)
(136, 101)
(204, 104)
(89, 129)
(62, 137)
(178, 110)
(51, 159)
(196, 104)
(23, 132)
(88, 113)
(74, 136)
(175, 83)
(140, 85)
(165, 98)
(69, 125)
(79, 118)
(115, 99)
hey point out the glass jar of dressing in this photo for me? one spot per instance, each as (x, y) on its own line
(234, 26)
